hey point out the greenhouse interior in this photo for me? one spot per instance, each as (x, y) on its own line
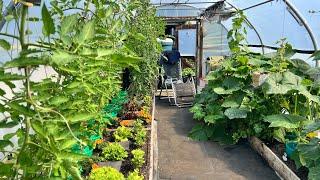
(160, 89)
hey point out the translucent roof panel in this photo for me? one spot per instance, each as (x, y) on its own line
(177, 11)
(273, 20)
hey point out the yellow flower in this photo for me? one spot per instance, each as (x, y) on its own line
(312, 135)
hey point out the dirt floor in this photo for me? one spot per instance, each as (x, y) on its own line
(181, 158)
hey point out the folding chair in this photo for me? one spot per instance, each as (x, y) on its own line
(180, 90)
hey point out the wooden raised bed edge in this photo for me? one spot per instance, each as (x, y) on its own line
(153, 171)
(282, 170)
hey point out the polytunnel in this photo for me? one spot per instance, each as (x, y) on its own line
(160, 89)
(268, 21)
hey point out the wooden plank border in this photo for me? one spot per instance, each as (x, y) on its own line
(153, 171)
(282, 170)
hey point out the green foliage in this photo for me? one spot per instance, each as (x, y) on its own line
(232, 107)
(122, 134)
(88, 49)
(106, 173)
(135, 176)
(138, 158)
(145, 29)
(139, 133)
(188, 72)
(114, 152)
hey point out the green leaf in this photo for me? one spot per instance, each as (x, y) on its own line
(312, 127)
(81, 117)
(11, 77)
(8, 136)
(235, 113)
(198, 112)
(26, 61)
(233, 101)
(5, 143)
(197, 133)
(284, 120)
(58, 100)
(68, 23)
(5, 44)
(279, 135)
(316, 56)
(37, 126)
(125, 59)
(71, 156)
(66, 144)
(314, 173)
(222, 91)
(302, 65)
(8, 18)
(21, 109)
(87, 33)
(211, 119)
(11, 124)
(72, 169)
(104, 52)
(6, 169)
(273, 84)
(311, 150)
(48, 24)
(61, 57)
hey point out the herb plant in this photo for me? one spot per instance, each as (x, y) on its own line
(135, 176)
(139, 133)
(138, 158)
(114, 152)
(106, 173)
(122, 134)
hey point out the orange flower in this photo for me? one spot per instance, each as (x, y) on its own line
(99, 141)
(95, 166)
(127, 123)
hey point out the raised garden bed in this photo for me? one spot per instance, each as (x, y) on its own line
(273, 157)
(125, 165)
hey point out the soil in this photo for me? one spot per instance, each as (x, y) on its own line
(279, 150)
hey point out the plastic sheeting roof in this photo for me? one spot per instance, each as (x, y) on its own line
(273, 20)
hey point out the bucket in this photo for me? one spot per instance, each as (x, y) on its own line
(291, 147)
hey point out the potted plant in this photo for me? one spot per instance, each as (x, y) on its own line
(114, 153)
(106, 173)
(138, 158)
(122, 135)
(139, 133)
(135, 176)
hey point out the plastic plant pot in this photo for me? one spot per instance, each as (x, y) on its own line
(291, 147)
(125, 144)
(115, 164)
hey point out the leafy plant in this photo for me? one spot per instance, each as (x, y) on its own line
(106, 173)
(188, 72)
(231, 108)
(135, 176)
(138, 158)
(145, 28)
(139, 133)
(122, 134)
(114, 152)
(88, 49)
